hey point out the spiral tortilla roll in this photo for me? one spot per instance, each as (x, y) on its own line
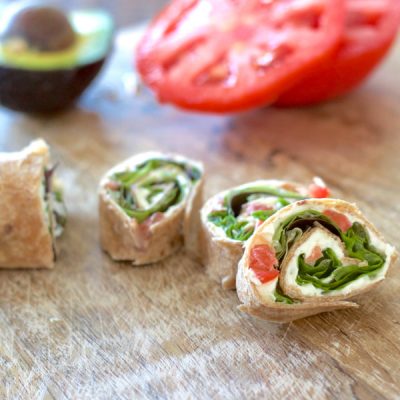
(310, 257)
(230, 217)
(32, 212)
(149, 207)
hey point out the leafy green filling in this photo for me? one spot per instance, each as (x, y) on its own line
(328, 273)
(59, 211)
(55, 210)
(280, 297)
(292, 228)
(263, 215)
(236, 198)
(237, 230)
(242, 229)
(154, 186)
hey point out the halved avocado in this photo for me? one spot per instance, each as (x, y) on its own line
(48, 58)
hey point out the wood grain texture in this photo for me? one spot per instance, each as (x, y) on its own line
(93, 328)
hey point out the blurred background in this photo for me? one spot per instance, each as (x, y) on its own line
(125, 12)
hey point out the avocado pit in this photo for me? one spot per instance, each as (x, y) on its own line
(38, 27)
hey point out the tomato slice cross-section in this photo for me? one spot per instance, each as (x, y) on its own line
(232, 55)
(371, 27)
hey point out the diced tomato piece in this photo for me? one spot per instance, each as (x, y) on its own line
(371, 27)
(318, 192)
(339, 219)
(316, 254)
(112, 185)
(263, 262)
(232, 55)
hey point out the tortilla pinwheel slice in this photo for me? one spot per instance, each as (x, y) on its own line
(310, 257)
(32, 211)
(149, 206)
(230, 218)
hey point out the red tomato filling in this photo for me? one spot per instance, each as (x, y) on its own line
(263, 262)
(339, 219)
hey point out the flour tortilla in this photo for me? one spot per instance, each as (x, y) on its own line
(252, 299)
(221, 254)
(25, 237)
(124, 239)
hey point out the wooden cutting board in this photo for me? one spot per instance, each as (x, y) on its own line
(93, 328)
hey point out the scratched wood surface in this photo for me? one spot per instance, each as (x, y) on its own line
(93, 328)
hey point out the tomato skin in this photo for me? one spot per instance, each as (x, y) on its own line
(353, 63)
(263, 262)
(175, 82)
(318, 192)
(334, 80)
(339, 219)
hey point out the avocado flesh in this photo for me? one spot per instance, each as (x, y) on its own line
(36, 82)
(93, 29)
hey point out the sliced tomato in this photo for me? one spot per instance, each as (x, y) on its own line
(231, 55)
(371, 27)
(339, 219)
(263, 262)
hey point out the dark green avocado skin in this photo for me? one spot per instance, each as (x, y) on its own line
(45, 91)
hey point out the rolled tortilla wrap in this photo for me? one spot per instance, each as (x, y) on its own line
(32, 212)
(230, 217)
(310, 257)
(148, 207)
